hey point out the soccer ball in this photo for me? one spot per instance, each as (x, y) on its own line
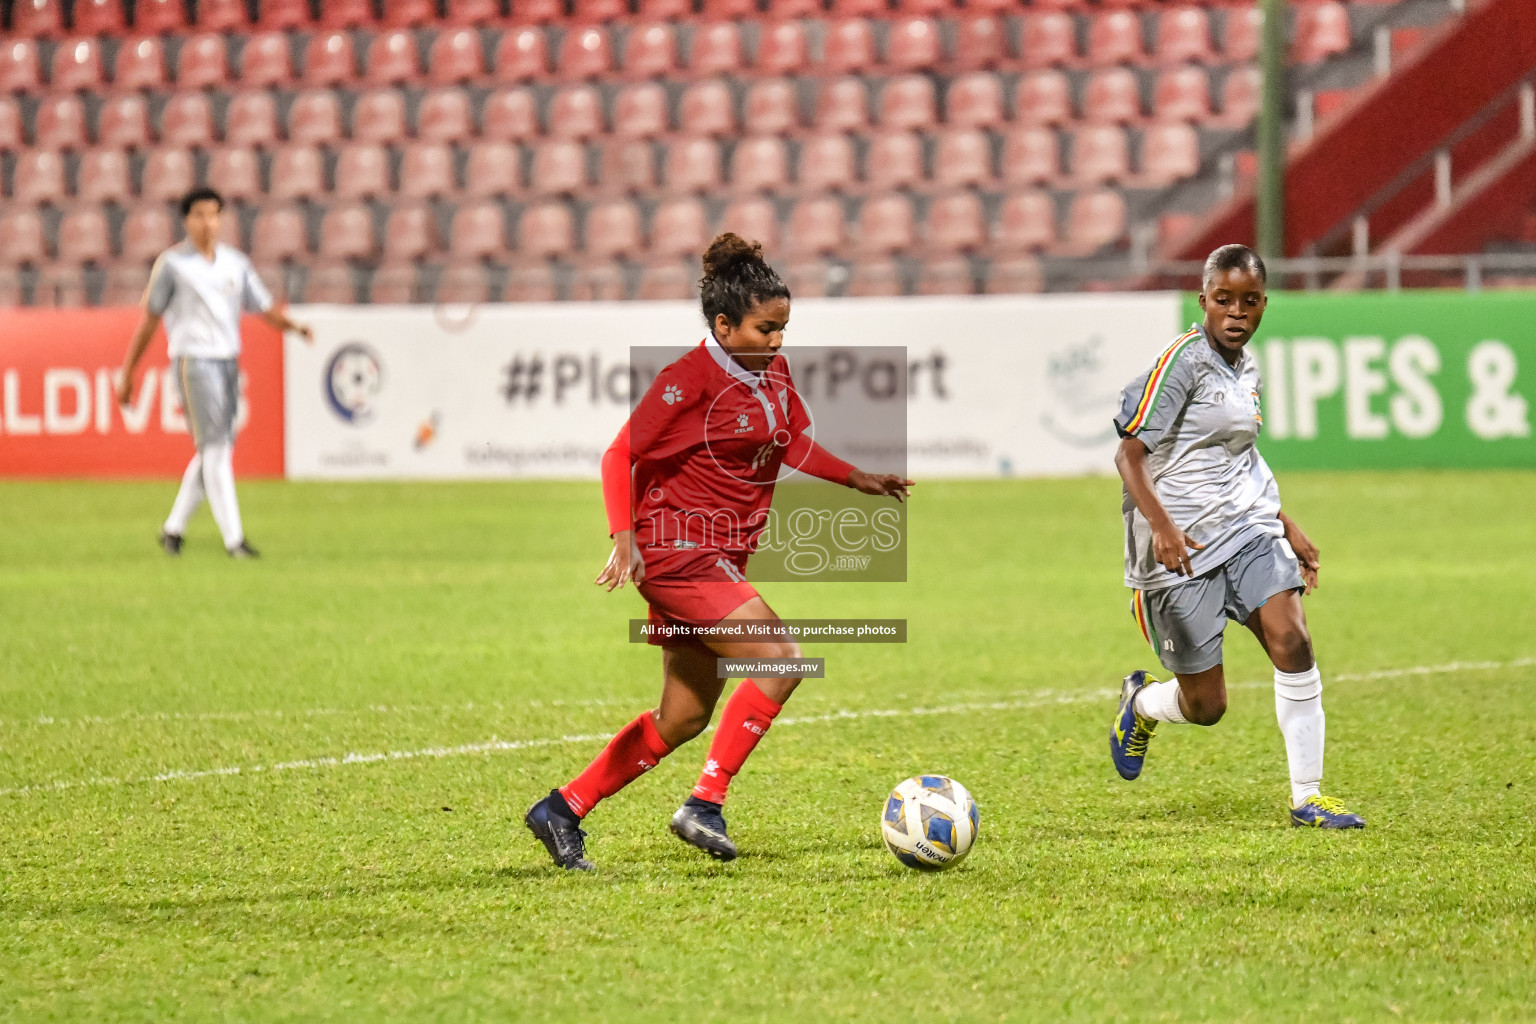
(930, 822)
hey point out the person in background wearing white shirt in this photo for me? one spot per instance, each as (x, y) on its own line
(200, 287)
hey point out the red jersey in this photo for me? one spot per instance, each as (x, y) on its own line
(706, 443)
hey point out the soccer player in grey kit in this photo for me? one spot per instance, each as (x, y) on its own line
(1206, 540)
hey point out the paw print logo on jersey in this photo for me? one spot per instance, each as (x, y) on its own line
(672, 393)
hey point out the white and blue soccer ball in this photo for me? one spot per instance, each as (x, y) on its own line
(930, 822)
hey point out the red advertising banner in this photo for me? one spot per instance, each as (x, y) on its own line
(59, 417)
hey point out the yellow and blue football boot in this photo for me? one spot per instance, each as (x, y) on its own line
(1319, 811)
(1131, 732)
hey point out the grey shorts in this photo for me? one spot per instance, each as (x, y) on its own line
(1184, 623)
(210, 397)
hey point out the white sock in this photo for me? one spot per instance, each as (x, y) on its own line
(1160, 702)
(1299, 707)
(219, 482)
(187, 498)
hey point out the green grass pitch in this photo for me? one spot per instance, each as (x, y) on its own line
(143, 877)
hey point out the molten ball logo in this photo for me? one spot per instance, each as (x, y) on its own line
(354, 376)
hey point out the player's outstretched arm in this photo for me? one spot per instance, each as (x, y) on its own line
(624, 564)
(1306, 551)
(280, 319)
(1170, 545)
(809, 457)
(149, 323)
(892, 485)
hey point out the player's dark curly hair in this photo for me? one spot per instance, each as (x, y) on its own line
(199, 195)
(737, 278)
(1233, 257)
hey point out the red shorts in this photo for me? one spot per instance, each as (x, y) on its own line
(693, 587)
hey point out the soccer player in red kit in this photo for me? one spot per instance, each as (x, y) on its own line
(687, 485)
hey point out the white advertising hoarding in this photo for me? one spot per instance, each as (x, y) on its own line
(996, 386)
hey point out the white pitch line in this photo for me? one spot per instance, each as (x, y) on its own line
(496, 746)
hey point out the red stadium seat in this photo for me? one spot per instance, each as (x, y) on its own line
(760, 164)
(148, 230)
(843, 106)
(538, 12)
(754, 219)
(37, 19)
(585, 53)
(781, 48)
(963, 159)
(1031, 156)
(410, 232)
(546, 230)
(203, 62)
(1170, 152)
(477, 232)
(716, 50)
(1100, 153)
(1095, 219)
(729, 10)
(445, 116)
(1322, 30)
(473, 12)
(849, 47)
(981, 42)
(1241, 95)
(393, 59)
(1026, 222)
(576, 112)
(559, 168)
(1242, 28)
(282, 15)
(1182, 94)
(1113, 96)
(1184, 34)
(931, 8)
(333, 283)
(870, 278)
(1050, 40)
(84, 236)
(314, 119)
(895, 160)
(670, 280)
(329, 59)
(817, 227)
(665, 10)
(100, 18)
(613, 230)
(77, 66)
(914, 45)
(265, 60)
(251, 119)
(1014, 275)
(692, 165)
(297, 172)
(279, 235)
(510, 114)
(362, 172)
(61, 123)
(946, 275)
(20, 69)
(784, 10)
(595, 280)
(680, 228)
(463, 283)
(707, 108)
(236, 173)
(346, 233)
(1115, 38)
(772, 108)
(410, 13)
(341, 13)
(640, 111)
(12, 137)
(123, 122)
(593, 12)
(426, 171)
(493, 170)
(956, 222)
(379, 116)
(22, 239)
(807, 278)
(103, 177)
(855, 9)
(455, 57)
(907, 102)
(827, 163)
(628, 167)
(186, 121)
(522, 55)
(650, 51)
(223, 16)
(169, 174)
(975, 100)
(140, 64)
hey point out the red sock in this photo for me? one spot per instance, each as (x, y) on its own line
(747, 716)
(634, 751)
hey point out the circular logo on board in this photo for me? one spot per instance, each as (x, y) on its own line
(354, 376)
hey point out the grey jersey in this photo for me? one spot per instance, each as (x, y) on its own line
(1199, 419)
(202, 299)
